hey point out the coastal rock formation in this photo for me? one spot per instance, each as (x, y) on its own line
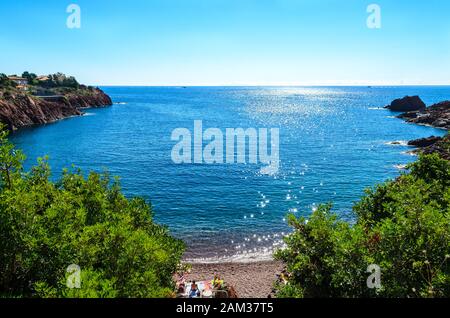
(407, 104)
(97, 99)
(424, 142)
(437, 115)
(440, 146)
(19, 109)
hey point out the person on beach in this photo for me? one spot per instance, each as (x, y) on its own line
(181, 290)
(194, 292)
(217, 282)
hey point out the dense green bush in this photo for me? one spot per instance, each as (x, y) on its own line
(403, 226)
(60, 80)
(31, 78)
(47, 226)
(5, 82)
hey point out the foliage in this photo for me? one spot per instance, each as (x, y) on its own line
(31, 78)
(46, 226)
(402, 225)
(60, 80)
(5, 82)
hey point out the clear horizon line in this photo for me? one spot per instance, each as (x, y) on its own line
(269, 85)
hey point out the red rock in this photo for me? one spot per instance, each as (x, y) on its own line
(18, 109)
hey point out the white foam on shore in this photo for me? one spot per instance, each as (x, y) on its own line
(410, 153)
(250, 257)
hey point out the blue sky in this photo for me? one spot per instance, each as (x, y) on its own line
(229, 42)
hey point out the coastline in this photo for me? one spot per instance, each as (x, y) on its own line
(251, 277)
(435, 116)
(19, 109)
(255, 277)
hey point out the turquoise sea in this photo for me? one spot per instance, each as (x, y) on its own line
(334, 142)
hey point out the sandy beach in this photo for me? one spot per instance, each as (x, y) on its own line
(249, 279)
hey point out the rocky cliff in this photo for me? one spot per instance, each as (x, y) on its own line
(19, 109)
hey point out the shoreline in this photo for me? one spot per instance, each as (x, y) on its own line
(255, 277)
(250, 280)
(19, 109)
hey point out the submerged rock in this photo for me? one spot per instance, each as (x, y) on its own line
(407, 104)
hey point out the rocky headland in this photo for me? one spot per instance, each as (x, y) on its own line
(437, 115)
(19, 109)
(46, 102)
(439, 145)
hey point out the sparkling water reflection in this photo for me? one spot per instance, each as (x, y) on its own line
(334, 142)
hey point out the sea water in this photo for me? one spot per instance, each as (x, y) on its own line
(333, 143)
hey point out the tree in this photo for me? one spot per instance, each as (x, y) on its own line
(10, 160)
(46, 226)
(31, 78)
(403, 226)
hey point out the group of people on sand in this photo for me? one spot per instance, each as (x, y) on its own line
(195, 292)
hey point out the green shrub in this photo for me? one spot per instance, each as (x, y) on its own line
(403, 226)
(46, 226)
(5, 82)
(60, 80)
(31, 78)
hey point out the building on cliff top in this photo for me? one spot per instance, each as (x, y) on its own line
(22, 83)
(43, 78)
